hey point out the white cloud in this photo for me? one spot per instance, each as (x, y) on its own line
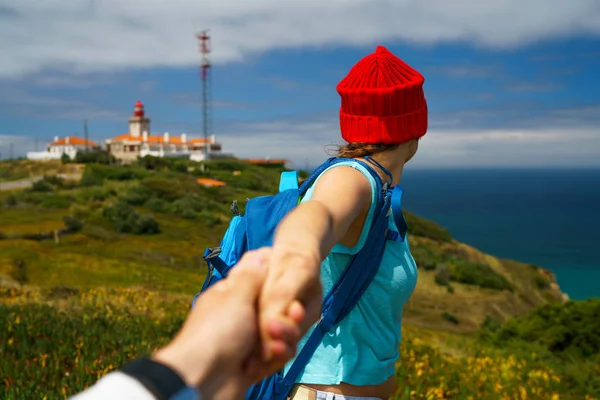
(307, 142)
(510, 147)
(94, 35)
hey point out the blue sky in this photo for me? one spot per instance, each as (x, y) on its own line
(511, 84)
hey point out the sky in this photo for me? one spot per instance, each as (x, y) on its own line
(511, 83)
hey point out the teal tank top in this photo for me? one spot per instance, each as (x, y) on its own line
(363, 349)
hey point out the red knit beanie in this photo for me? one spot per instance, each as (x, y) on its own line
(382, 101)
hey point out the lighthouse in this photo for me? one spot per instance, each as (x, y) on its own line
(139, 123)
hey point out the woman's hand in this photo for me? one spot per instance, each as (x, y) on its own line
(218, 347)
(291, 298)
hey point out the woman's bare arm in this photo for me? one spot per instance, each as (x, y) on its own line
(303, 239)
(315, 226)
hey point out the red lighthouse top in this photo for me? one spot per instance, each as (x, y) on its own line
(138, 109)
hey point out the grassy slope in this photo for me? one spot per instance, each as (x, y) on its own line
(171, 261)
(23, 169)
(472, 304)
(170, 267)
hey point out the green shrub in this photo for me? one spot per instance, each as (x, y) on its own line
(429, 266)
(146, 224)
(11, 200)
(180, 166)
(442, 277)
(188, 214)
(125, 173)
(490, 325)
(95, 157)
(451, 318)
(79, 211)
(41, 186)
(541, 282)
(54, 181)
(188, 202)
(136, 196)
(126, 220)
(421, 227)
(568, 330)
(158, 205)
(92, 176)
(481, 275)
(72, 223)
(153, 163)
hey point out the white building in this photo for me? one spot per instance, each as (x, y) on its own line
(69, 145)
(139, 143)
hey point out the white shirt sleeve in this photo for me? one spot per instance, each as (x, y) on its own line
(115, 386)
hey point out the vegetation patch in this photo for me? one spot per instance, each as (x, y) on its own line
(452, 267)
(565, 334)
(126, 220)
(60, 342)
(422, 227)
(72, 324)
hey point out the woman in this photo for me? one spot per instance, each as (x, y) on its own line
(383, 114)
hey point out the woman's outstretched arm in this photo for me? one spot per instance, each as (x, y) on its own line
(303, 239)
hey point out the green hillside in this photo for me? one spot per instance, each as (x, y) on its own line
(120, 278)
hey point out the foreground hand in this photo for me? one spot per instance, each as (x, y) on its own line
(220, 335)
(291, 298)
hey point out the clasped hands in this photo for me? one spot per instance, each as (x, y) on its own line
(247, 326)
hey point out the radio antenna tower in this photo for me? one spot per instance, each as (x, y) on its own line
(205, 69)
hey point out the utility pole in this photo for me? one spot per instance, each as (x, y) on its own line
(11, 151)
(85, 132)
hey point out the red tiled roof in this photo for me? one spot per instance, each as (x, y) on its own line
(210, 182)
(74, 140)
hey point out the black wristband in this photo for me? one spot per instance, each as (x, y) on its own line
(159, 379)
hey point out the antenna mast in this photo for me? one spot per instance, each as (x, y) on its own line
(205, 68)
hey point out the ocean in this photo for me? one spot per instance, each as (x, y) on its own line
(550, 218)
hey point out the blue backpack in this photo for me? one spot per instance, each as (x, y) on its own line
(255, 229)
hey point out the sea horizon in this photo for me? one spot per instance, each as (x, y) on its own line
(542, 216)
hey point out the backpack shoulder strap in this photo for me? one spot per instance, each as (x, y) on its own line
(289, 180)
(398, 215)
